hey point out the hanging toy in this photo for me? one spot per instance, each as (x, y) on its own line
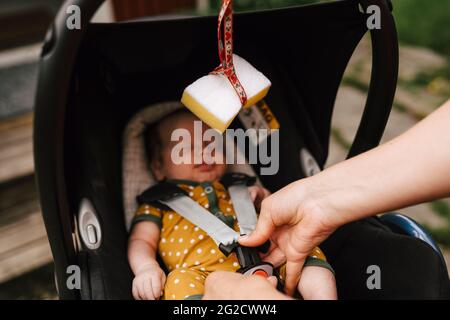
(218, 97)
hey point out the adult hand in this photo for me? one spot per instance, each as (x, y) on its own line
(296, 223)
(224, 285)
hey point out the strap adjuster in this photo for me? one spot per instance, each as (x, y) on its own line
(235, 178)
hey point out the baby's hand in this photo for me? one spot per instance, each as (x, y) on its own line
(148, 282)
(258, 194)
(317, 283)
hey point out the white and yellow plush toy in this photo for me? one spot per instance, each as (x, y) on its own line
(218, 97)
(213, 99)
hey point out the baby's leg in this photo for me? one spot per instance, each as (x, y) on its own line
(317, 283)
(184, 283)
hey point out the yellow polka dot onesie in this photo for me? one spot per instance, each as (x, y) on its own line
(187, 251)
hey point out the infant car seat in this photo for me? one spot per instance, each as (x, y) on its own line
(94, 80)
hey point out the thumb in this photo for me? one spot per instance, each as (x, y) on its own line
(264, 229)
(253, 193)
(293, 271)
(273, 281)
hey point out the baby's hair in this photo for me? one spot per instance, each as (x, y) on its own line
(152, 138)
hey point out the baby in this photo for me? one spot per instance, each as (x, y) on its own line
(188, 252)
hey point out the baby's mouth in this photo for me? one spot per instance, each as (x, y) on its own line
(204, 167)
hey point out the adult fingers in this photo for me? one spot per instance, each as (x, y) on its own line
(253, 193)
(273, 281)
(264, 228)
(218, 285)
(293, 271)
(297, 246)
(275, 257)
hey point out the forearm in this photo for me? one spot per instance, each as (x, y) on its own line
(140, 255)
(410, 169)
(142, 248)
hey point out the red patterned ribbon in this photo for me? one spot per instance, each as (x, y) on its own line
(226, 66)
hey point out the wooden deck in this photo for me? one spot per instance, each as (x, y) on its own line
(16, 148)
(23, 240)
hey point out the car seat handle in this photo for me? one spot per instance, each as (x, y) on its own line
(383, 80)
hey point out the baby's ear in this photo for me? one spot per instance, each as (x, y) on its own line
(155, 167)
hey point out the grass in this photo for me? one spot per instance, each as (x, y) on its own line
(424, 23)
(423, 79)
(442, 208)
(355, 83)
(442, 234)
(436, 82)
(364, 87)
(337, 135)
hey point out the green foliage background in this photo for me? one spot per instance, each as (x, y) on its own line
(425, 23)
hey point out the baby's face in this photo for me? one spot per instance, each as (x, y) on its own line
(165, 168)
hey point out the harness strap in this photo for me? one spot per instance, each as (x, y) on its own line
(243, 207)
(195, 213)
(237, 184)
(169, 195)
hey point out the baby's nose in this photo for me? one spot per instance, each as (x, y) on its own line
(200, 146)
